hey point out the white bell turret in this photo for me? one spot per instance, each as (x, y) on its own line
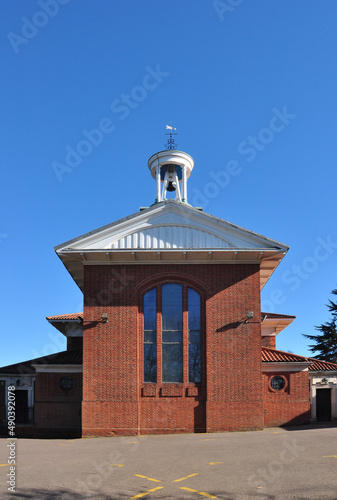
(171, 169)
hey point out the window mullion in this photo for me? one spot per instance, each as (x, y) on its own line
(159, 336)
(172, 332)
(194, 336)
(185, 334)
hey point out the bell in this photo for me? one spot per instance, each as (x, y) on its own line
(171, 186)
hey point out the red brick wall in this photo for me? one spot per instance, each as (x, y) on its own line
(269, 342)
(234, 398)
(54, 408)
(115, 399)
(290, 406)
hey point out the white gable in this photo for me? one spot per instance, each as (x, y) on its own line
(166, 232)
(167, 236)
(170, 225)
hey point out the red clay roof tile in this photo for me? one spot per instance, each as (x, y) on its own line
(71, 357)
(322, 366)
(65, 317)
(274, 355)
(73, 316)
(276, 316)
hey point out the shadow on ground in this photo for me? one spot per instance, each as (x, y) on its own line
(310, 427)
(64, 494)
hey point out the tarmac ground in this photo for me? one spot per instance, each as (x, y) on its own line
(273, 464)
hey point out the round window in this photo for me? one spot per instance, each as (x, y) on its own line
(277, 383)
(66, 383)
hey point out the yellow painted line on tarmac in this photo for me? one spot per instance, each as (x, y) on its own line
(4, 465)
(149, 478)
(62, 444)
(330, 456)
(209, 439)
(202, 493)
(133, 442)
(186, 477)
(213, 463)
(117, 465)
(206, 494)
(140, 495)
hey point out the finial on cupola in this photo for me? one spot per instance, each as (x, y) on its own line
(170, 140)
(171, 169)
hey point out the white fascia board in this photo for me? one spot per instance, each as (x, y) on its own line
(81, 251)
(268, 258)
(64, 320)
(284, 366)
(326, 373)
(58, 368)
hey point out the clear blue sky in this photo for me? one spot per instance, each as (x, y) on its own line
(223, 75)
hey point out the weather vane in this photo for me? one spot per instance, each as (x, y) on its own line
(170, 141)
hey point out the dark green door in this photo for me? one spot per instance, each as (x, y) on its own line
(323, 405)
(21, 404)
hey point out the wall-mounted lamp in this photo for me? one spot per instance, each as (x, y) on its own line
(250, 315)
(105, 317)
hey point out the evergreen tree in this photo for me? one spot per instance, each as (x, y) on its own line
(326, 342)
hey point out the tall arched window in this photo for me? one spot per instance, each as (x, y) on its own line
(194, 336)
(150, 336)
(172, 333)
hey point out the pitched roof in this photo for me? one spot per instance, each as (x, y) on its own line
(276, 316)
(168, 213)
(71, 357)
(319, 365)
(274, 355)
(21, 369)
(66, 317)
(278, 321)
(74, 357)
(79, 315)
(176, 232)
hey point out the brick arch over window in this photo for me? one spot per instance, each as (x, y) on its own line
(171, 277)
(172, 318)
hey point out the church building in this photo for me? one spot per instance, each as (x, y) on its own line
(171, 338)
